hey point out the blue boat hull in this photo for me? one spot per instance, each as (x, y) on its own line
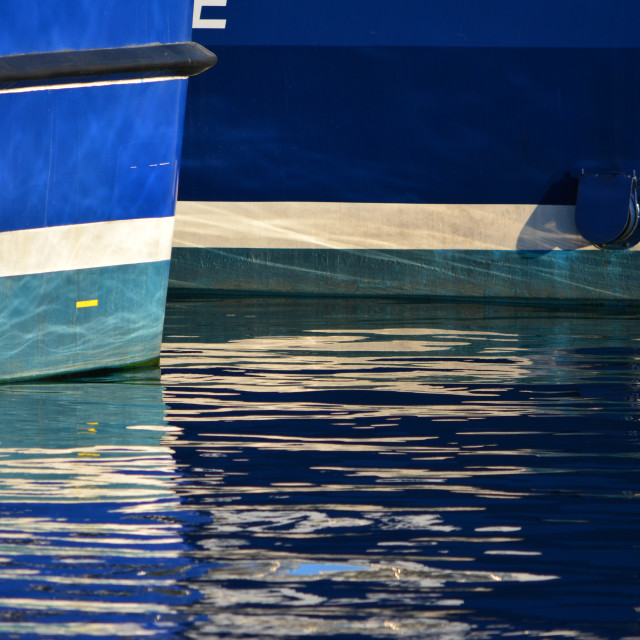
(562, 276)
(408, 103)
(409, 124)
(92, 112)
(44, 331)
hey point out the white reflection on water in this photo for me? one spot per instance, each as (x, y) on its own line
(463, 365)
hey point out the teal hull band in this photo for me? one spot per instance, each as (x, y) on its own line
(544, 275)
(118, 321)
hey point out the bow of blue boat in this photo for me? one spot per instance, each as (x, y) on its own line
(92, 100)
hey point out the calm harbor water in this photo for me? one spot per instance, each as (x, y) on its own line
(333, 468)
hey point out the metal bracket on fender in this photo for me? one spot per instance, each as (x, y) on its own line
(607, 211)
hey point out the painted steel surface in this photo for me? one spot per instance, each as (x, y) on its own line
(547, 276)
(90, 154)
(81, 319)
(89, 180)
(415, 102)
(495, 125)
(29, 26)
(459, 23)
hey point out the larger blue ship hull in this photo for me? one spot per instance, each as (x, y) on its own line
(92, 109)
(475, 119)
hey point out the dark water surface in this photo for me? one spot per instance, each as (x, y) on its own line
(326, 468)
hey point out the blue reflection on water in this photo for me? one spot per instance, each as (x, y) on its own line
(91, 529)
(316, 569)
(473, 469)
(336, 469)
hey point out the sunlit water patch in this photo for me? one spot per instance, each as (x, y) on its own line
(336, 469)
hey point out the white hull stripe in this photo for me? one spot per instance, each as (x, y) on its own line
(85, 246)
(85, 85)
(300, 225)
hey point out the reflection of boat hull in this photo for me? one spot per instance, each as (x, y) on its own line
(403, 132)
(93, 128)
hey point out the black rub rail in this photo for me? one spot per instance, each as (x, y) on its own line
(181, 59)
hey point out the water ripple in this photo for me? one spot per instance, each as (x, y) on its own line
(333, 469)
(408, 470)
